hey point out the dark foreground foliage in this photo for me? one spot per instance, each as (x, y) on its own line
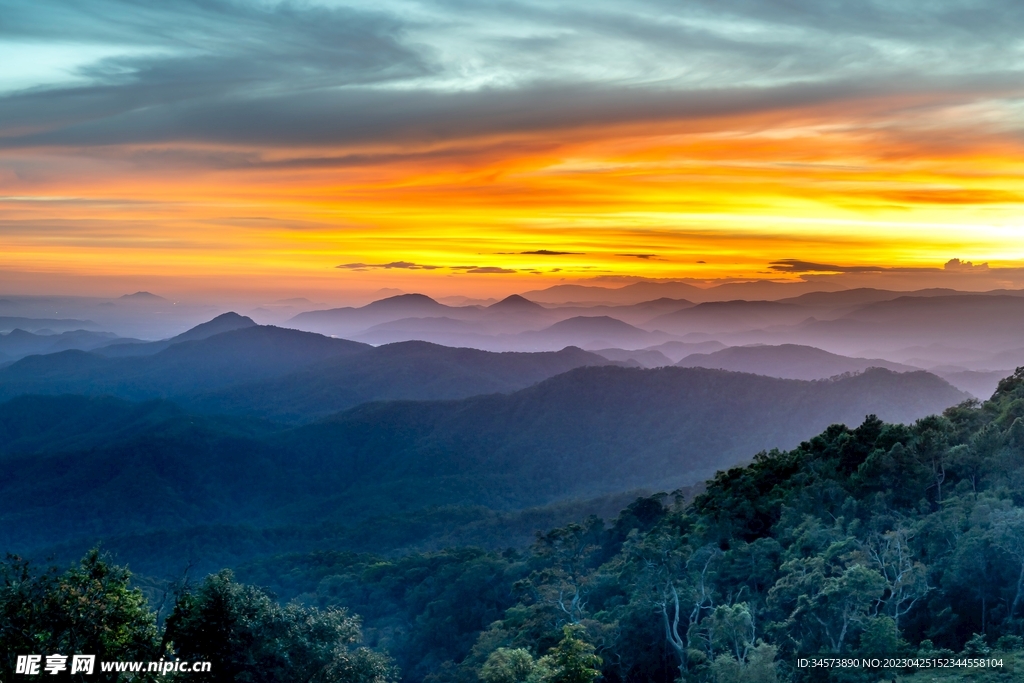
(90, 609)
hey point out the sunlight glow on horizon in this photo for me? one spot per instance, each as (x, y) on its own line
(736, 203)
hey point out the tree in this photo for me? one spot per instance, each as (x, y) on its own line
(932, 448)
(676, 581)
(879, 637)
(87, 609)
(1008, 535)
(730, 628)
(758, 667)
(249, 637)
(833, 601)
(573, 659)
(565, 582)
(514, 665)
(906, 580)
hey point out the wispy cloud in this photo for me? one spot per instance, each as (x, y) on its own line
(952, 265)
(258, 75)
(490, 270)
(408, 265)
(798, 266)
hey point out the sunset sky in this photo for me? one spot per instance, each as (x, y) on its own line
(487, 147)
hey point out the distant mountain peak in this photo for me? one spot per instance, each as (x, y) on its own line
(593, 323)
(142, 296)
(232, 316)
(515, 302)
(225, 322)
(403, 300)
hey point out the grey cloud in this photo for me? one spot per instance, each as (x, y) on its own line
(242, 160)
(200, 51)
(773, 39)
(365, 115)
(548, 252)
(482, 269)
(490, 269)
(262, 75)
(948, 19)
(798, 266)
(407, 265)
(221, 40)
(953, 266)
(957, 264)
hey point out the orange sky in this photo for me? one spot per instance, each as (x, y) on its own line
(877, 177)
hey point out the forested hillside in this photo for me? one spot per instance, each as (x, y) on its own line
(156, 480)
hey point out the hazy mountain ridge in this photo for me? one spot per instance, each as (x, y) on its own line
(45, 325)
(729, 316)
(860, 296)
(644, 358)
(989, 322)
(46, 425)
(349, 320)
(244, 354)
(205, 376)
(459, 426)
(789, 361)
(512, 324)
(630, 424)
(794, 361)
(282, 373)
(858, 322)
(19, 343)
(644, 291)
(589, 332)
(848, 322)
(226, 322)
(584, 433)
(147, 318)
(404, 370)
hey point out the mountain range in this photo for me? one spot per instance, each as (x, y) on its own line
(81, 469)
(856, 323)
(232, 365)
(263, 439)
(790, 361)
(945, 330)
